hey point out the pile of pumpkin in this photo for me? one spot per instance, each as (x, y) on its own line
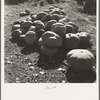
(51, 29)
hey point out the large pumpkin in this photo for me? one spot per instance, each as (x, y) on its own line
(39, 24)
(55, 17)
(16, 34)
(26, 24)
(31, 37)
(71, 41)
(70, 29)
(48, 51)
(40, 42)
(46, 18)
(59, 28)
(51, 39)
(80, 60)
(84, 37)
(76, 28)
(49, 24)
(16, 26)
(40, 15)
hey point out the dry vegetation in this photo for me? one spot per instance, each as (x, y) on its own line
(36, 68)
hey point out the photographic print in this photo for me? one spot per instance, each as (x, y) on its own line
(50, 41)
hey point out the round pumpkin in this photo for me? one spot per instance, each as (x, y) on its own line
(40, 15)
(40, 42)
(63, 12)
(32, 28)
(33, 17)
(71, 41)
(46, 18)
(23, 14)
(16, 33)
(56, 11)
(23, 30)
(70, 29)
(48, 51)
(39, 24)
(55, 17)
(26, 24)
(76, 28)
(80, 60)
(51, 42)
(27, 11)
(17, 22)
(49, 24)
(84, 37)
(22, 38)
(31, 37)
(16, 26)
(59, 28)
(47, 35)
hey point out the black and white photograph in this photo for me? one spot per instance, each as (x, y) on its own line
(50, 41)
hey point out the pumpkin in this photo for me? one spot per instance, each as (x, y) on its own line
(23, 30)
(70, 29)
(56, 11)
(63, 12)
(33, 17)
(49, 24)
(17, 22)
(27, 11)
(48, 51)
(54, 41)
(80, 60)
(47, 35)
(84, 37)
(32, 28)
(23, 14)
(22, 39)
(46, 18)
(75, 26)
(59, 28)
(26, 24)
(40, 42)
(71, 41)
(16, 33)
(40, 15)
(39, 32)
(55, 17)
(39, 24)
(16, 26)
(31, 37)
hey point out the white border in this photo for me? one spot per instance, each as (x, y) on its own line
(27, 91)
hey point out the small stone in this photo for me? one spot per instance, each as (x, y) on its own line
(26, 60)
(63, 81)
(31, 67)
(41, 72)
(29, 64)
(35, 75)
(8, 62)
(61, 69)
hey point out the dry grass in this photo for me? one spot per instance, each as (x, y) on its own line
(43, 69)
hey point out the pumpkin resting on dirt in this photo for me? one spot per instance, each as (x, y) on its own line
(84, 37)
(16, 33)
(48, 51)
(31, 37)
(80, 60)
(59, 28)
(51, 39)
(75, 26)
(71, 41)
(49, 24)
